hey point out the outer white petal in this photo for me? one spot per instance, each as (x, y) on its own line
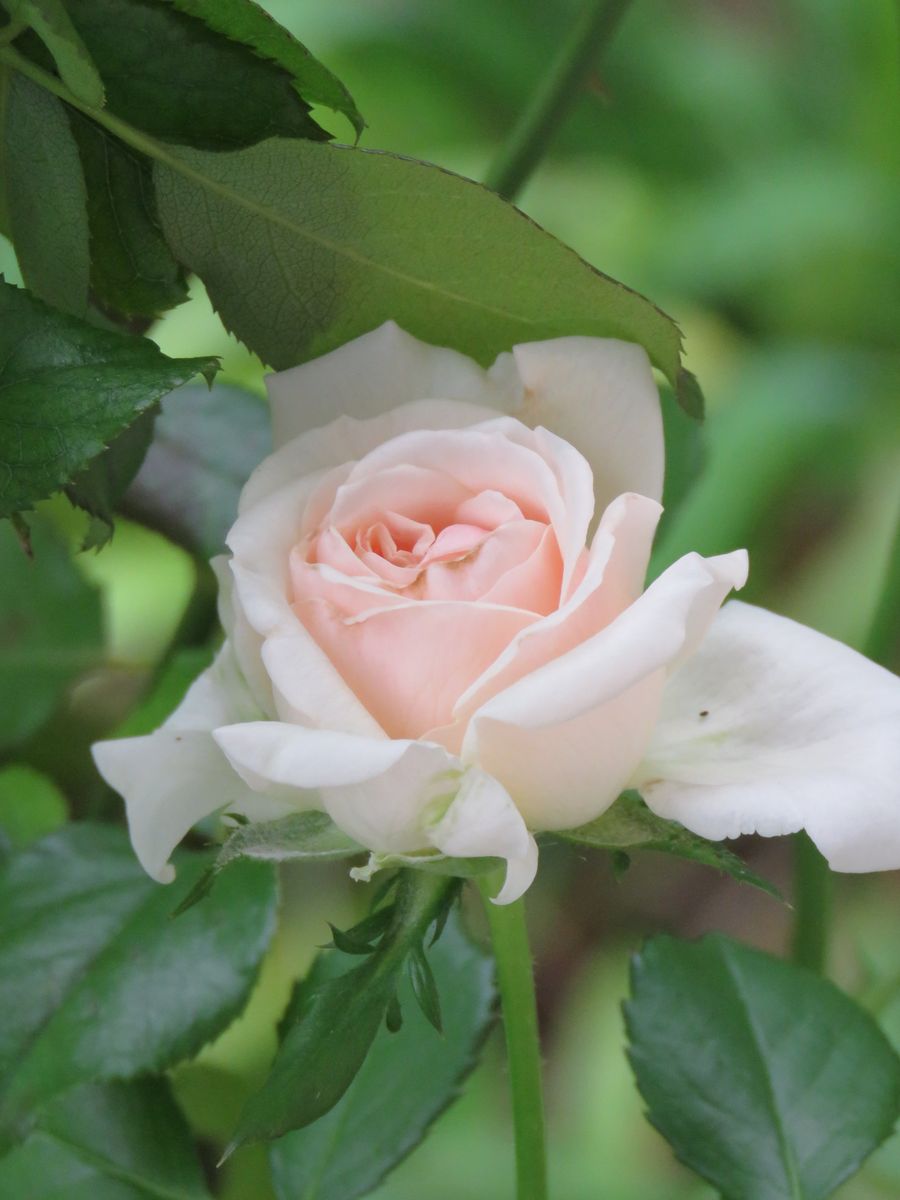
(771, 727)
(375, 373)
(565, 739)
(483, 821)
(391, 796)
(378, 790)
(174, 777)
(600, 395)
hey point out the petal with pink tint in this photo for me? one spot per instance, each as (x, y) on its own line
(375, 373)
(408, 663)
(612, 580)
(599, 395)
(346, 439)
(565, 738)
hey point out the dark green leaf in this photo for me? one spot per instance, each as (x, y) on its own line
(336, 240)
(100, 486)
(332, 1021)
(51, 22)
(97, 982)
(172, 76)
(69, 389)
(246, 22)
(111, 1141)
(44, 195)
(133, 273)
(406, 1082)
(767, 1080)
(424, 987)
(51, 629)
(205, 446)
(31, 805)
(630, 825)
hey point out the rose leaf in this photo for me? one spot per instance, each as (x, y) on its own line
(764, 1078)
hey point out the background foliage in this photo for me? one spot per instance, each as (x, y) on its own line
(736, 162)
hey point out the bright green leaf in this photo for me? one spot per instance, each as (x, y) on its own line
(246, 22)
(630, 825)
(111, 1141)
(51, 629)
(133, 273)
(51, 22)
(31, 805)
(205, 446)
(69, 389)
(44, 195)
(97, 982)
(335, 240)
(766, 1080)
(406, 1082)
(174, 77)
(333, 1019)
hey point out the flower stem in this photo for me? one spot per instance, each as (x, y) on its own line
(540, 120)
(813, 886)
(515, 979)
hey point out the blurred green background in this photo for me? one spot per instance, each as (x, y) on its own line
(736, 161)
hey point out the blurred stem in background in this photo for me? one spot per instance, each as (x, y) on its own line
(540, 120)
(813, 882)
(515, 980)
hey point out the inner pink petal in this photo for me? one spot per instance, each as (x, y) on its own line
(454, 542)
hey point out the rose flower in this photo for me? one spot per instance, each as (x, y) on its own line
(437, 632)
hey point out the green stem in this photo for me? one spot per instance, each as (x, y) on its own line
(515, 979)
(813, 886)
(133, 137)
(540, 120)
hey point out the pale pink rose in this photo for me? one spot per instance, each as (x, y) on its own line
(437, 632)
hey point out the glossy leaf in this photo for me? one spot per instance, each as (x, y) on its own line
(630, 825)
(133, 272)
(406, 1082)
(97, 982)
(246, 22)
(51, 629)
(45, 200)
(69, 389)
(205, 446)
(766, 1079)
(107, 1141)
(336, 240)
(53, 25)
(333, 1019)
(174, 77)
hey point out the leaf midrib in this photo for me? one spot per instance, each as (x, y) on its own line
(163, 154)
(788, 1157)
